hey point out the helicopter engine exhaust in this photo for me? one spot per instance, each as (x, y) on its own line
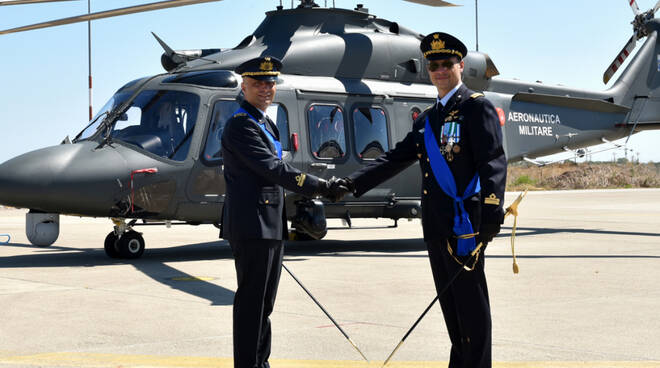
(479, 70)
(180, 57)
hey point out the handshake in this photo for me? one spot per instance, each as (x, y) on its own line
(335, 189)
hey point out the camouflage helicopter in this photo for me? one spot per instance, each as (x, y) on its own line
(152, 153)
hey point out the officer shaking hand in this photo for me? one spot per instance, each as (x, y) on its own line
(458, 144)
(253, 217)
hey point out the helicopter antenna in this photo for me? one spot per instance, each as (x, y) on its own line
(476, 20)
(89, 57)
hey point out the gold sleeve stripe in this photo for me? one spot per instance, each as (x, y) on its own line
(301, 179)
(492, 199)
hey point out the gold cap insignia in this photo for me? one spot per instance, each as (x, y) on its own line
(266, 65)
(437, 43)
(492, 199)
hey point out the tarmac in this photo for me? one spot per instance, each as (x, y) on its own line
(587, 294)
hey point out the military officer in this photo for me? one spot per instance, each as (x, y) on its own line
(458, 143)
(253, 218)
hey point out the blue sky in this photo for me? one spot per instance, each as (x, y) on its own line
(43, 83)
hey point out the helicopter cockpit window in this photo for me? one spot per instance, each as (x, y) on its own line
(370, 125)
(326, 131)
(223, 110)
(93, 126)
(160, 122)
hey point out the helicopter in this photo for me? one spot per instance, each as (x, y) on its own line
(151, 155)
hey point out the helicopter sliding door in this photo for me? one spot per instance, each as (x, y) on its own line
(370, 130)
(344, 133)
(324, 147)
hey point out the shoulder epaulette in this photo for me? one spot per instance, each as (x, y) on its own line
(240, 114)
(476, 95)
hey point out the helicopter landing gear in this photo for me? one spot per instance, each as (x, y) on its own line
(110, 245)
(124, 242)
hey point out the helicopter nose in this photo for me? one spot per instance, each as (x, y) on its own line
(26, 181)
(55, 179)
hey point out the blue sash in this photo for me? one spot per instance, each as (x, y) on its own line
(271, 138)
(445, 179)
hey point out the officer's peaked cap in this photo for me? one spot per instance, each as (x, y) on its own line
(438, 45)
(263, 68)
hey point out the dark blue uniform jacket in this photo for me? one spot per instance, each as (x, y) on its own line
(479, 151)
(254, 201)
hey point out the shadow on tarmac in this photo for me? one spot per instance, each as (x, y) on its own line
(153, 262)
(545, 231)
(63, 256)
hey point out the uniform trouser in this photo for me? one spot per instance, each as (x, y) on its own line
(258, 266)
(465, 307)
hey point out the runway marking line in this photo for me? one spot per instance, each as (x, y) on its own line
(96, 360)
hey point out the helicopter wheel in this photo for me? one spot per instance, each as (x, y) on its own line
(110, 245)
(131, 245)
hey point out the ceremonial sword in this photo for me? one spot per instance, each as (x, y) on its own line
(511, 210)
(325, 311)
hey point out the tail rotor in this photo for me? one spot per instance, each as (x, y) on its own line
(634, 7)
(640, 31)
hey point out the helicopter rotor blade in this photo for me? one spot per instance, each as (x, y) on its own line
(107, 14)
(618, 61)
(634, 7)
(656, 7)
(22, 2)
(432, 2)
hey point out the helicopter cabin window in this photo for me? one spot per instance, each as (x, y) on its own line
(161, 122)
(277, 113)
(370, 126)
(225, 109)
(222, 111)
(327, 136)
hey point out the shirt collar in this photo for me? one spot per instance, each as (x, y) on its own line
(443, 101)
(252, 110)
